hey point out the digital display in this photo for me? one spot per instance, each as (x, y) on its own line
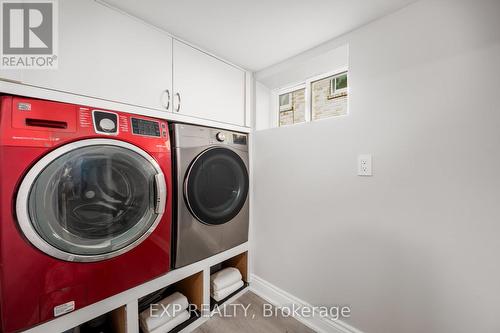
(239, 139)
(145, 127)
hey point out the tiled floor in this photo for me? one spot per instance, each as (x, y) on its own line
(254, 321)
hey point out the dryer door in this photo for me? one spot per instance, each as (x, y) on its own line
(216, 186)
(91, 200)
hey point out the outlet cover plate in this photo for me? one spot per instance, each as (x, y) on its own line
(365, 165)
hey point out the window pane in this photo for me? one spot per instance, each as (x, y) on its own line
(329, 97)
(294, 112)
(286, 118)
(341, 82)
(284, 100)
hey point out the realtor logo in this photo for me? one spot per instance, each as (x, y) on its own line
(29, 34)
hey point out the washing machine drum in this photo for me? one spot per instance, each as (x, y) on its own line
(216, 186)
(90, 202)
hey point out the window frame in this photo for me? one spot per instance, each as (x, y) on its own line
(308, 95)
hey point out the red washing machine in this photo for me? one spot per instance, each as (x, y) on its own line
(83, 206)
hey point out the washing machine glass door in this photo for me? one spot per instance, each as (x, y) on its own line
(216, 186)
(91, 200)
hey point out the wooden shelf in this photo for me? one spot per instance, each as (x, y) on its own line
(192, 288)
(240, 262)
(119, 320)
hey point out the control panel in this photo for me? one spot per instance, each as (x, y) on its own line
(194, 136)
(227, 137)
(40, 123)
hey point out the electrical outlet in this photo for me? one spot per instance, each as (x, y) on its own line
(365, 165)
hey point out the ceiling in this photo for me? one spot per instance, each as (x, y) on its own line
(256, 34)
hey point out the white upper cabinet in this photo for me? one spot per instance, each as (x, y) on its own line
(108, 55)
(207, 87)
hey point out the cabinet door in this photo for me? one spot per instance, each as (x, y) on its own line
(108, 55)
(207, 87)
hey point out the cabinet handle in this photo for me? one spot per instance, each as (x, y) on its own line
(179, 102)
(168, 98)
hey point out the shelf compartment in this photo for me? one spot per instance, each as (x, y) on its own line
(112, 322)
(240, 262)
(191, 287)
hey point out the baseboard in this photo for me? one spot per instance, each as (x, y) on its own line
(281, 298)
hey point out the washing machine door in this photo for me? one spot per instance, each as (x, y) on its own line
(91, 200)
(216, 186)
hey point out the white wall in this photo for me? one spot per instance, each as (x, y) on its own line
(313, 63)
(415, 247)
(263, 115)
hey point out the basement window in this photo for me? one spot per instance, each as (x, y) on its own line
(329, 96)
(320, 97)
(292, 107)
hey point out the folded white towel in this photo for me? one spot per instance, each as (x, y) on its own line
(223, 293)
(171, 324)
(173, 304)
(227, 290)
(224, 278)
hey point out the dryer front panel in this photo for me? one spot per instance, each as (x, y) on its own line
(212, 202)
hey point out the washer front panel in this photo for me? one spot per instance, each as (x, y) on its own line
(91, 200)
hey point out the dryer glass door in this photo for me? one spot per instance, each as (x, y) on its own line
(94, 201)
(216, 186)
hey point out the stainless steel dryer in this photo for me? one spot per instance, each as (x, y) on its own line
(211, 199)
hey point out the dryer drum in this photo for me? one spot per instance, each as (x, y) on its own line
(216, 186)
